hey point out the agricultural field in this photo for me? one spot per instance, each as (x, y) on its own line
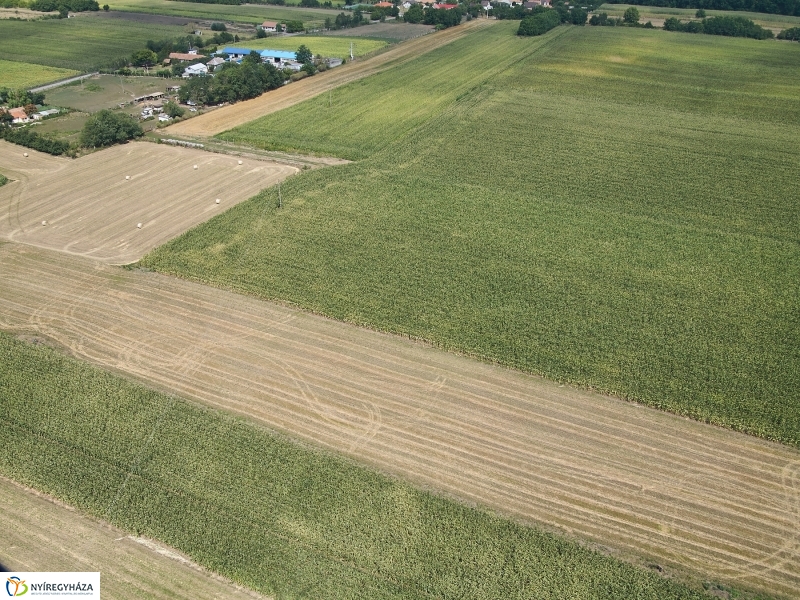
(656, 488)
(15, 75)
(657, 14)
(132, 568)
(92, 206)
(625, 218)
(391, 31)
(243, 112)
(272, 515)
(327, 46)
(245, 13)
(81, 44)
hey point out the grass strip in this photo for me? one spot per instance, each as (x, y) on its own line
(268, 513)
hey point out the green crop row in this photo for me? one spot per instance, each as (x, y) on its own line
(15, 75)
(82, 44)
(613, 208)
(270, 514)
(245, 13)
(324, 45)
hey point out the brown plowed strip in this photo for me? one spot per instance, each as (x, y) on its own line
(228, 117)
(42, 534)
(90, 208)
(718, 503)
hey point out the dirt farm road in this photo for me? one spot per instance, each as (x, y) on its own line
(722, 505)
(232, 116)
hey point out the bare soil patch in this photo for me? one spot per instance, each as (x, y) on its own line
(43, 534)
(231, 116)
(88, 207)
(671, 491)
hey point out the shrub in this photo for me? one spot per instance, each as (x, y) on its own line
(29, 139)
(539, 23)
(790, 34)
(106, 128)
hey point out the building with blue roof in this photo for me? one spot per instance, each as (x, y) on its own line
(274, 56)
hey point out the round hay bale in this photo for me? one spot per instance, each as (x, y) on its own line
(240, 162)
(127, 177)
(217, 200)
(195, 166)
(44, 222)
(25, 154)
(138, 225)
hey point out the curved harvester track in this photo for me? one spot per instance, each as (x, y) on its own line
(719, 504)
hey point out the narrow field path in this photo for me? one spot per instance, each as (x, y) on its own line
(228, 117)
(676, 492)
(42, 534)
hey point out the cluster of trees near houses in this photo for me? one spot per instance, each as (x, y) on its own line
(780, 7)
(440, 17)
(232, 82)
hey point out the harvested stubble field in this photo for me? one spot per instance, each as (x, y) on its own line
(243, 112)
(91, 209)
(710, 501)
(42, 534)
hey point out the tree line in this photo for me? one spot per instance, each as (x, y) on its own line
(780, 7)
(232, 82)
(724, 25)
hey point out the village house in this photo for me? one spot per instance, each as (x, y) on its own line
(269, 26)
(19, 114)
(194, 70)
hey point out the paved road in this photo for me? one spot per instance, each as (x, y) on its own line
(677, 492)
(56, 84)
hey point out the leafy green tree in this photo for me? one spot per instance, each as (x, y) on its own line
(631, 15)
(173, 110)
(304, 55)
(254, 58)
(260, 33)
(106, 7)
(700, 14)
(106, 128)
(578, 16)
(144, 58)
(414, 14)
(218, 27)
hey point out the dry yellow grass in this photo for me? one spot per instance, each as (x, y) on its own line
(91, 209)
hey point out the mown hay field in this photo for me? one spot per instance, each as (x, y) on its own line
(15, 75)
(613, 208)
(117, 204)
(328, 46)
(246, 13)
(83, 43)
(270, 514)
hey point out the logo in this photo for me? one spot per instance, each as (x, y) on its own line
(16, 587)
